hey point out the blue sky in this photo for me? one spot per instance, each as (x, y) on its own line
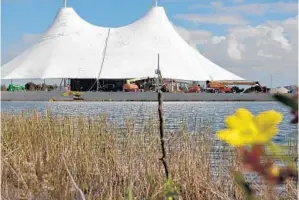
(37, 15)
(33, 17)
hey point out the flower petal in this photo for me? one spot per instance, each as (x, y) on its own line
(232, 137)
(266, 136)
(240, 120)
(244, 114)
(233, 121)
(267, 120)
(244, 128)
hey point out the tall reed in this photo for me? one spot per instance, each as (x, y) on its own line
(47, 157)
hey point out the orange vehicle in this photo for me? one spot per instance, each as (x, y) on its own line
(194, 89)
(131, 87)
(223, 86)
(217, 87)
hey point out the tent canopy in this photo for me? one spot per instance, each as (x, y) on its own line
(74, 48)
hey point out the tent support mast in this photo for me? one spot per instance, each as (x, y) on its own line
(60, 84)
(98, 85)
(158, 72)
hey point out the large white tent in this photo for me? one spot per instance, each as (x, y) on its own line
(74, 48)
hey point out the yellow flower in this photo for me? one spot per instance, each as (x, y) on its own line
(244, 128)
(274, 171)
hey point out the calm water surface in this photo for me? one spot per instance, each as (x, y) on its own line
(194, 115)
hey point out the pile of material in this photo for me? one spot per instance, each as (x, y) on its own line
(30, 86)
(257, 89)
(281, 90)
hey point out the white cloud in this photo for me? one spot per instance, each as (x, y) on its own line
(194, 37)
(255, 52)
(251, 8)
(213, 19)
(255, 8)
(235, 49)
(218, 39)
(217, 4)
(238, 1)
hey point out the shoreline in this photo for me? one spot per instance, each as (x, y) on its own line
(133, 101)
(56, 96)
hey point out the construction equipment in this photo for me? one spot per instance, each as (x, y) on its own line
(194, 89)
(131, 87)
(223, 86)
(14, 87)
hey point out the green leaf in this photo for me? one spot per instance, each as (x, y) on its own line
(240, 180)
(130, 192)
(170, 189)
(278, 151)
(286, 101)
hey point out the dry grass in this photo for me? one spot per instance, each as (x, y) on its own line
(41, 156)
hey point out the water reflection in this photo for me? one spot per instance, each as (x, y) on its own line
(194, 116)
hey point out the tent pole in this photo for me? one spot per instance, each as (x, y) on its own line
(98, 85)
(158, 75)
(60, 84)
(46, 89)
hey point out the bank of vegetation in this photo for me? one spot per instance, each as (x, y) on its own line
(47, 157)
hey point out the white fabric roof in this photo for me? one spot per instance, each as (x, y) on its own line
(74, 48)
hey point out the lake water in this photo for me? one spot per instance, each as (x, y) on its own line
(193, 115)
